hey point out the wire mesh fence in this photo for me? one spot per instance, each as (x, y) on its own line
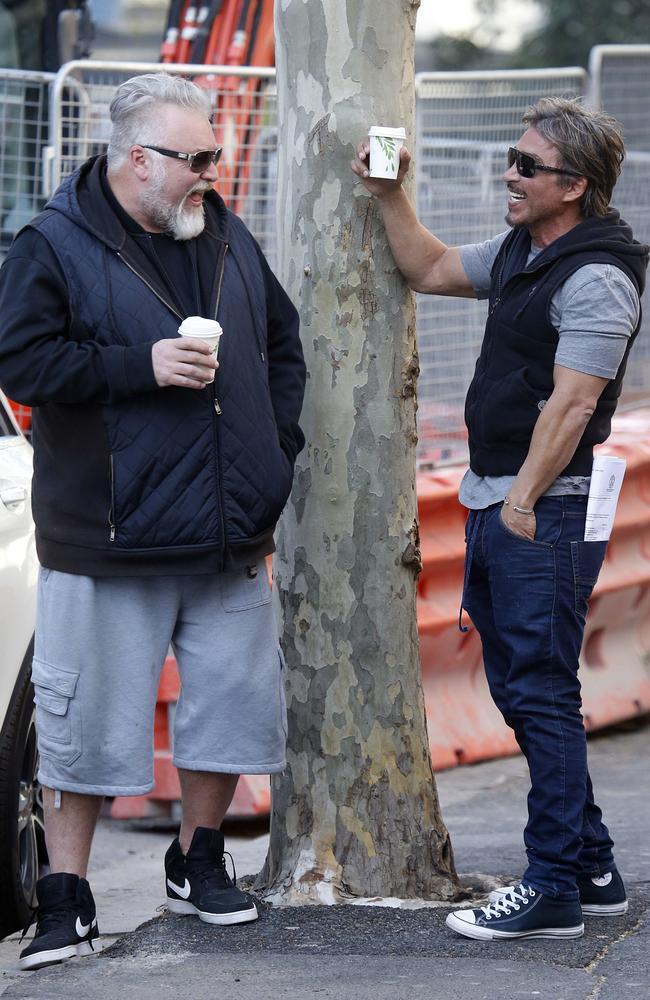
(465, 122)
(23, 138)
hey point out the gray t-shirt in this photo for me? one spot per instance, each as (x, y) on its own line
(595, 312)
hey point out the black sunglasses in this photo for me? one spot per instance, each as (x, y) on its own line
(198, 161)
(527, 165)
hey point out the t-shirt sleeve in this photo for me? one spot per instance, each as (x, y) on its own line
(477, 260)
(596, 311)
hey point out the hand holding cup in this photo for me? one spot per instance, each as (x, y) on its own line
(190, 360)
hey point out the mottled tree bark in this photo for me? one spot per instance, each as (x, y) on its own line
(356, 812)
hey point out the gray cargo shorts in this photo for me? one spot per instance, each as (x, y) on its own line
(99, 649)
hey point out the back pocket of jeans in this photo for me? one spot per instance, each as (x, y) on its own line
(587, 558)
(58, 719)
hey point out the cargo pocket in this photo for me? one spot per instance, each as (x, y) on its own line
(58, 719)
(587, 558)
(245, 588)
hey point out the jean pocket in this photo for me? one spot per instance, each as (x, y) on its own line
(58, 717)
(586, 559)
(547, 532)
(245, 588)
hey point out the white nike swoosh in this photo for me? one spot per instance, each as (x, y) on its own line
(81, 929)
(182, 890)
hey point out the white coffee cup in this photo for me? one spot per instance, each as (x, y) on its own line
(385, 144)
(207, 330)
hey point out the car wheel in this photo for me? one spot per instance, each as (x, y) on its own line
(23, 856)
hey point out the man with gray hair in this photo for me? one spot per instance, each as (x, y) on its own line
(159, 477)
(563, 286)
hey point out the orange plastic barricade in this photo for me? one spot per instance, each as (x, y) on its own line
(23, 415)
(463, 724)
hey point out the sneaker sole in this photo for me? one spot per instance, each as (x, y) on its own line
(41, 958)
(604, 909)
(184, 908)
(487, 934)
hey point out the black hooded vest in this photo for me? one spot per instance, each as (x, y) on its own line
(514, 372)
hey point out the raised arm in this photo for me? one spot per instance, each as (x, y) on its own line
(427, 263)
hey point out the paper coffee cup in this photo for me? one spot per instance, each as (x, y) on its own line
(385, 144)
(207, 330)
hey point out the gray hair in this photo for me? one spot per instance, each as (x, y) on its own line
(589, 142)
(134, 110)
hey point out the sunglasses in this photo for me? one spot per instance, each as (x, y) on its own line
(527, 165)
(198, 162)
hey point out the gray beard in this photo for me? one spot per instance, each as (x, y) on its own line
(181, 222)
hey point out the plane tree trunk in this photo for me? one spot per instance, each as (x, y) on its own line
(356, 813)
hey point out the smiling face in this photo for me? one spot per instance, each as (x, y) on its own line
(171, 199)
(548, 204)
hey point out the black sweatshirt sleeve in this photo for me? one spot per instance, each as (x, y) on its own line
(43, 358)
(287, 371)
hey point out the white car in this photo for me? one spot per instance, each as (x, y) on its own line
(22, 843)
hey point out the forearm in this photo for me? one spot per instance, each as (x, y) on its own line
(557, 434)
(414, 248)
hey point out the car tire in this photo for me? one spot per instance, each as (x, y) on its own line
(23, 856)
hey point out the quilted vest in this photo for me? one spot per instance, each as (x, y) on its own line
(513, 378)
(184, 473)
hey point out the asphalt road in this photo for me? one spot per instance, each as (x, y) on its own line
(370, 952)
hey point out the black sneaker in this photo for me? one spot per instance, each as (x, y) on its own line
(601, 896)
(522, 912)
(198, 883)
(66, 923)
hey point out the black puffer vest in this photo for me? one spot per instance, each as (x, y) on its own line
(514, 372)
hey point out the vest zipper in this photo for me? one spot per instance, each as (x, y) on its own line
(149, 286)
(217, 407)
(215, 424)
(111, 512)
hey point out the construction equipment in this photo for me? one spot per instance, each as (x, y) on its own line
(226, 33)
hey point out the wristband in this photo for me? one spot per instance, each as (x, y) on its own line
(520, 510)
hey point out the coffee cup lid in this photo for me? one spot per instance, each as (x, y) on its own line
(199, 326)
(392, 133)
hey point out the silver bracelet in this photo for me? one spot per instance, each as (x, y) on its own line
(520, 510)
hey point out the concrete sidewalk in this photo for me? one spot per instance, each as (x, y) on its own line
(374, 952)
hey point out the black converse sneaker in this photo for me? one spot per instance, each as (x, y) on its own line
(66, 924)
(198, 883)
(523, 912)
(600, 896)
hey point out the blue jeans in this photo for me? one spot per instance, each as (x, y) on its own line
(528, 601)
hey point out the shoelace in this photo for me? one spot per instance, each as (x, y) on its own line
(207, 869)
(509, 901)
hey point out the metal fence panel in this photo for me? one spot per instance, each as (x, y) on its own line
(23, 137)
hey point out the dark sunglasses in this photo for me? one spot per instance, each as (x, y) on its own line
(198, 162)
(527, 165)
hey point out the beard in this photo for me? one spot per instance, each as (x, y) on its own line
(180, 220)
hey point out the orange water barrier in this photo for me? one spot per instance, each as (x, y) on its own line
(463, 724)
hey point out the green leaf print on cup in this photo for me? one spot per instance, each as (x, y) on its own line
(388, 147)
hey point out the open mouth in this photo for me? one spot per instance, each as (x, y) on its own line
(516, 196)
